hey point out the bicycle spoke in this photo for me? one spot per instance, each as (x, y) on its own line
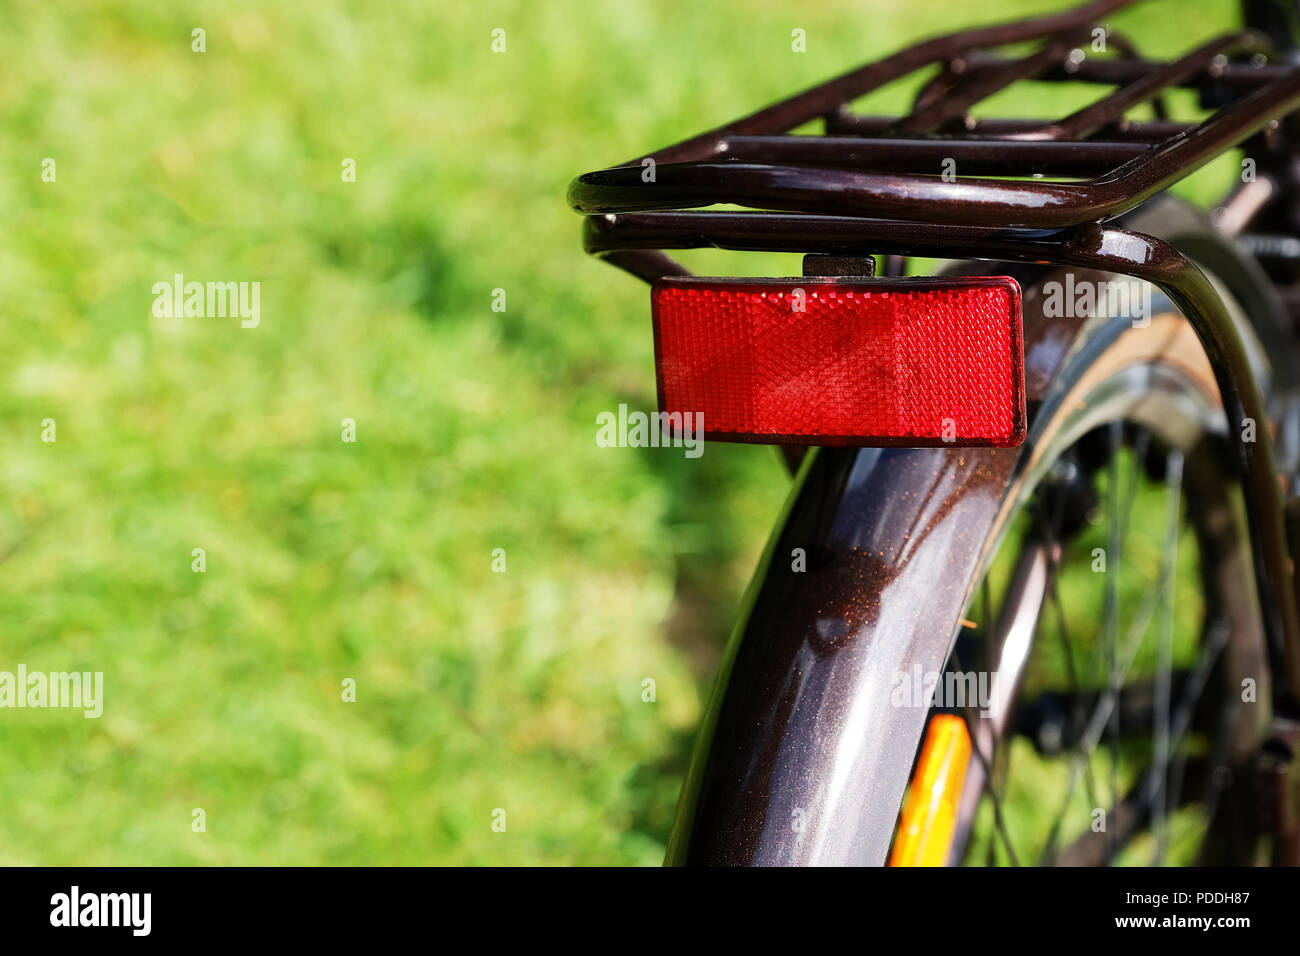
(1054, 552)
(1164, 664)
(1181, 721)
(1141, 446)
(1129, 817)
(977, 747)
(1102, 712)
(1113, 561)
(1063, 634)
(990, 785)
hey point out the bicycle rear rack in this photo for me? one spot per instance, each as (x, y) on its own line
(866, 171)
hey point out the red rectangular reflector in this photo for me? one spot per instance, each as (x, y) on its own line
(823, 361)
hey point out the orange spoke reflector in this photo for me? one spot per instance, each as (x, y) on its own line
(930, 817)
(827, 361)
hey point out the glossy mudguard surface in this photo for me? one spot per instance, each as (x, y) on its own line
(799, 764)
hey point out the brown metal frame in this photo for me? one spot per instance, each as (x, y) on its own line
(751, 162)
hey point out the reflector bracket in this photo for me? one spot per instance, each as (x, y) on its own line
(823, 361)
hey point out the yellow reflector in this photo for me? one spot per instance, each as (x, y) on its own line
(930, 816)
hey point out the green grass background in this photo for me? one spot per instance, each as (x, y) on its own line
(372, 561)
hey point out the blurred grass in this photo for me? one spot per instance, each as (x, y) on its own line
(372, 560)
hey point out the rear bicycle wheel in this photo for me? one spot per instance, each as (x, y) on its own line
(1111, 682)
